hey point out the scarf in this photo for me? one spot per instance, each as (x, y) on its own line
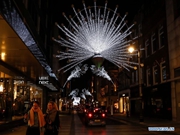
(52, 114)
(40, 117)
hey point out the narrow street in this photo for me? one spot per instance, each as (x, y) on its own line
(73, 125)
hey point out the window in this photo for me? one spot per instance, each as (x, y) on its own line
(46, 21)
(132, 77)
(142, 74)
(25, 3)
(161, 37)
(148, 77)
(155, 74)
(176, 9)
(38, 24)
(136, 76)
(139, 29)
(135, 33)
(177, 72)
(163, 71)
(39, 3)
(147, 46)
(153, 43)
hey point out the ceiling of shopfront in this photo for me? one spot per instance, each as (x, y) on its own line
(16, 54)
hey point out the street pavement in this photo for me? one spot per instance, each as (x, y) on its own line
(72, 125)
(148, 122)
(66, 120)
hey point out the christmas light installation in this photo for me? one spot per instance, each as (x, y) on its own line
(76, 96)
(99, 71)
(93, 32)
(77, 72)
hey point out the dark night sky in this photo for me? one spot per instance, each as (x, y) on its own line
(130, 6)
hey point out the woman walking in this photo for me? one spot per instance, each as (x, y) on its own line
(36, 121)
(52, 119)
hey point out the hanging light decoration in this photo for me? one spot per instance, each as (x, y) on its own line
(95, 33)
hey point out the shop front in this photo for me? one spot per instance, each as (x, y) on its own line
(124, 104)
(158, 101)
(16, 97)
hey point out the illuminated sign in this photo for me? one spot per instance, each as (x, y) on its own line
(44, 80)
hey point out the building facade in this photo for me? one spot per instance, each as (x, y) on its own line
(151, 79)
(173, 28)
(25, 63)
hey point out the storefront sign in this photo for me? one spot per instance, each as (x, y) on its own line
(44, 80)
(18, 81)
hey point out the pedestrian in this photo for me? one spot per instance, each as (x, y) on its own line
(35, 119)
(52, 119)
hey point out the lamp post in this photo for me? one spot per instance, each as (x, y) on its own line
(131, 50)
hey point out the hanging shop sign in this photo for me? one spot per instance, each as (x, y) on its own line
(44, 80)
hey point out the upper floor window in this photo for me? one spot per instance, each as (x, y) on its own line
(177, 72)
(38, 24)
(139, 29)
(39, 3)
(25, 3)
(176, 8)
(136, 76)
(147, 48)
(155, 74)
(161, 37)
(132, 77)
(135, 33)
(153, 42)
(148, 77)
(163, 71)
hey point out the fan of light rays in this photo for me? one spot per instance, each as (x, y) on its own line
(96, 30)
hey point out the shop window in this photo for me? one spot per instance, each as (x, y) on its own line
(161, 37)
(21, 95)
(155, 74)
(163, 71)
(148, 77)
(147, 48)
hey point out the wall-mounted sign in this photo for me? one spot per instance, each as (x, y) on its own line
(44, 80)
(18, 81)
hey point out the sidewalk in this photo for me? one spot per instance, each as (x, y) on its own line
(148, 122)
(11, 124)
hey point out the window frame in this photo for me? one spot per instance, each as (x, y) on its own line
(161, 69)
(153, 38)
(147, 77)
(146, 47)
(155, 66)
(159, 36)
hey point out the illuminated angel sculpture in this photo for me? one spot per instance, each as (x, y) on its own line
(75, 95)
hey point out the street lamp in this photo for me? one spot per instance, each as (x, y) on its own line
(140, 65)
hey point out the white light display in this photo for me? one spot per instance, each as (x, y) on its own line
(77, 72)
(76, 99)
(96, 33)
(99, 71)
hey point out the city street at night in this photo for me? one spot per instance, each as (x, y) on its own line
(90, 67)
(72, 125)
